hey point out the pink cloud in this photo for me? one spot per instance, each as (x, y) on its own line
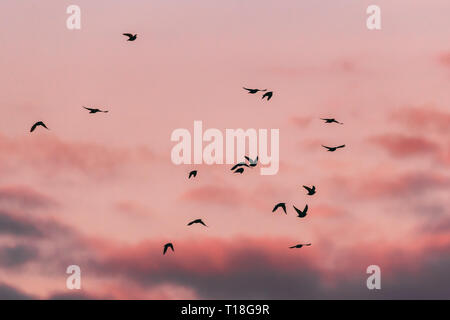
(214, 194)
(52, 154)
(423, 118)
(400, 145)
(400, 185)
(301, 121)
(444, 59)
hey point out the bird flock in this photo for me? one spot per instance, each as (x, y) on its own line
(250, 163)
(237, 168)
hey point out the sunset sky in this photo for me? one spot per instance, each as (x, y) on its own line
(101, 192)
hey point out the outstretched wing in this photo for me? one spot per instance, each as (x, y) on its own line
(268, 95)
(90, 109)
(307, 188)
(240, 170)
(341, 146)
(128, 35)
(240, 164)
(280, 205)
(252, 161)
(167, 246)
(192, 173)
(301, 214)
(39, 123)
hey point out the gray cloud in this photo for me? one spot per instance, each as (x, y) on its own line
(12, 225)
(18, 255)
(24, 197)
(10, 293)
(255, 273)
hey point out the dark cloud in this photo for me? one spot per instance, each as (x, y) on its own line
(24, 197)
(18, 226)
(75, 295)
(18, 255)
(10, 293)
(258, 272)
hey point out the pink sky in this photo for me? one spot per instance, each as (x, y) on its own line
(100, 191)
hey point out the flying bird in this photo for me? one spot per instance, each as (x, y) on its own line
(311, 190)
(253, 91)
(240, 164)
(39, 123)
(330, 120)
(92, 110)
(197, 221)
(167, 246)
(281, 205)
(252, 163)
(240, 170)
(192, 173)
(300, 245)
(301, 214)
(332, 149)
(267, 95)
(131, 37)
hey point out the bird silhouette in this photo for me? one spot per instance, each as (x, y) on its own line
(39, 123)
(268, 95)
(281, 205)
(332, 149)
(192, 173)
(167, 246)
(300, 245)
(240, 164)
(240, 170)
(301, 214)
(197, 221)
(253, 91)
(131, 37)
(311, 190)
(92, 110)
(330, 120)
(252, 163)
